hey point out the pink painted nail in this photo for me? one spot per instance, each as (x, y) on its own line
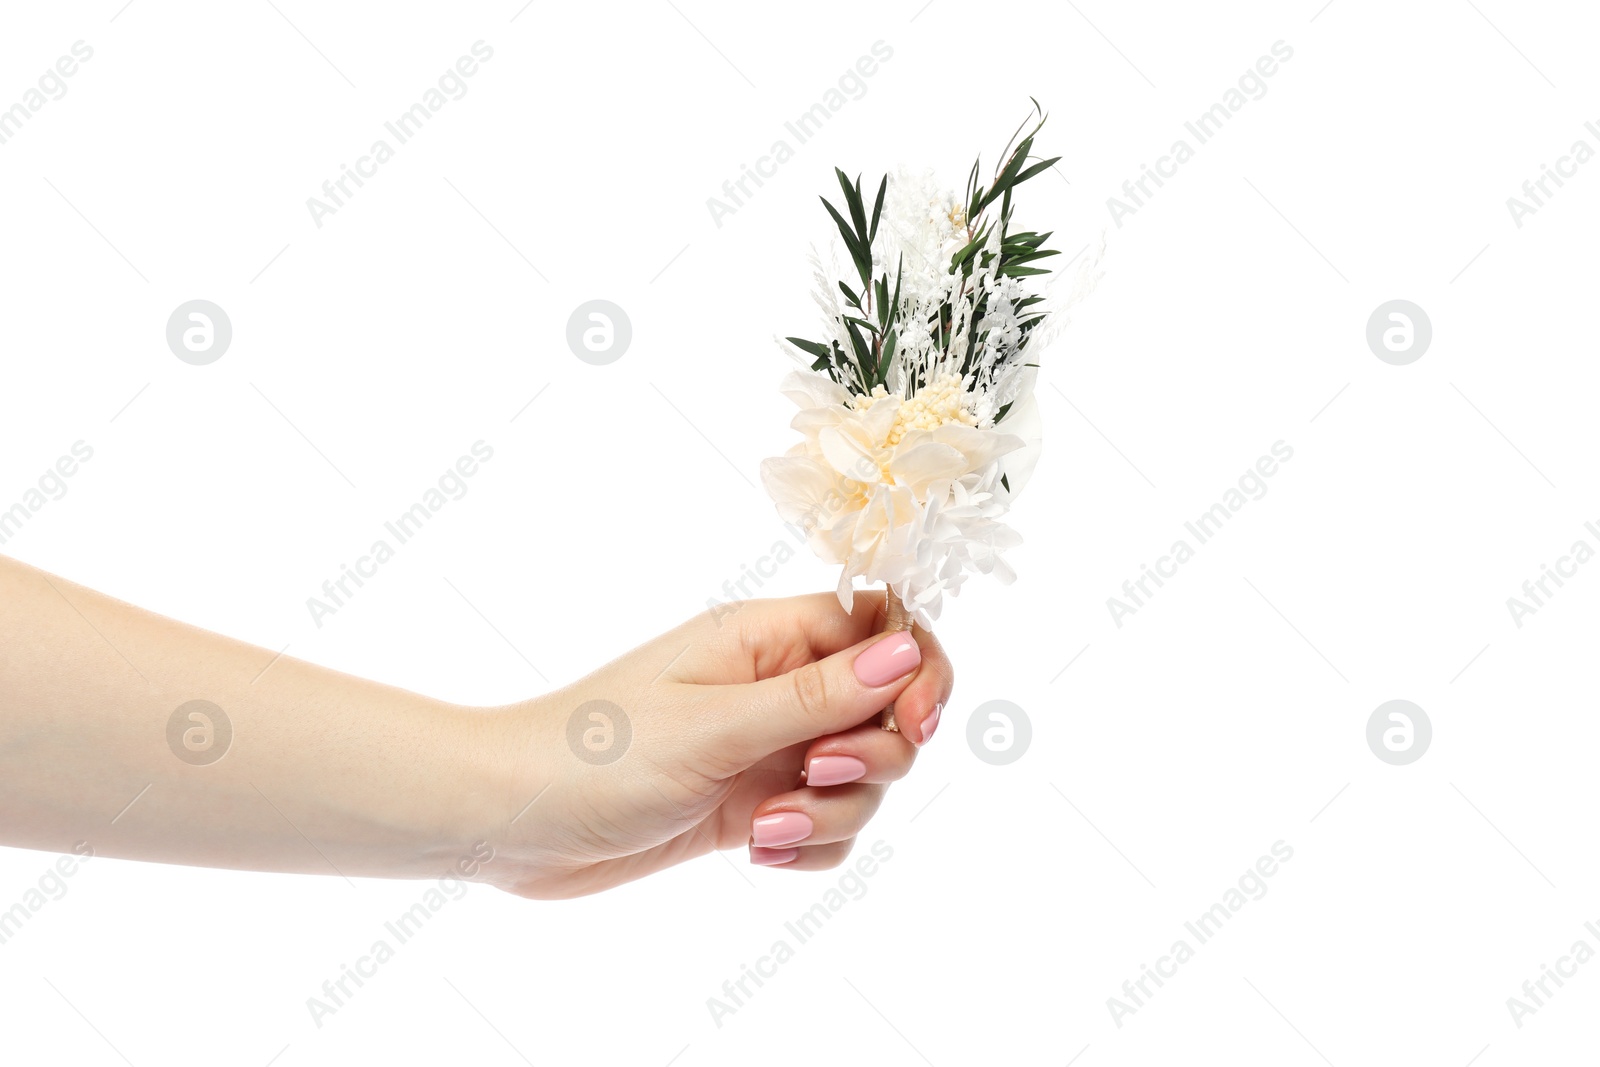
(784, 828)
(772, 857)
(931, 723)
(894, 657)
(834, 770)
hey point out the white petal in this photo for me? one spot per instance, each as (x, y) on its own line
(1022, 420)
(927, 462)
(809, 389)
(981, 447)
(795, 478)
(845, 590)
(879, 419)
(848, 453)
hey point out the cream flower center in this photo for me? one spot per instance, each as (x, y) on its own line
(934, 405)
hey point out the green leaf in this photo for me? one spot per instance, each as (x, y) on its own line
(877, 209)
(850, 294)
(1012, 140)
(1031, 256)
(852, 198)
(1012, 271)
(1036, 168)
(863, 356)
(857, 253)
(968, 249)
(1025, 240)
(888, 357)
(844, 364)
(810, 348)
(1008, 176)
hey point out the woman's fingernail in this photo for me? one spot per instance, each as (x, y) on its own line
(772, 857)
(784, 828)
(894, 657)
(931, 723)
(834, 770)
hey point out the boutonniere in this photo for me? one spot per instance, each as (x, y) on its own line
(916, 411)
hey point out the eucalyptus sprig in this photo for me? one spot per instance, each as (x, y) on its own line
(873, 318)
(872, 353)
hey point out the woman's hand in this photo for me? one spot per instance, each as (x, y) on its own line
(135, 736)
(758, 726)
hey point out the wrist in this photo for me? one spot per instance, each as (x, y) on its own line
(454, 800)
(508, 767)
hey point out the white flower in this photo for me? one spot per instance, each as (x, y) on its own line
(901, 491)
(921, 426)
(922, 226)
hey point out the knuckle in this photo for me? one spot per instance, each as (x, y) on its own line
(809, 692)
(947, 674)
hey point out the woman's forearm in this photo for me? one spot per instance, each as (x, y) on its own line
(323, 772)
(129, 735)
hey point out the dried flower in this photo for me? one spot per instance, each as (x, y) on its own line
(910, 405)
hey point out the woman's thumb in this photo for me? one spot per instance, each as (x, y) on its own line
(825, 696)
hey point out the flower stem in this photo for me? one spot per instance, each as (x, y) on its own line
(898, 618)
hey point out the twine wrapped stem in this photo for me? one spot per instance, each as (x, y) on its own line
(897, 619)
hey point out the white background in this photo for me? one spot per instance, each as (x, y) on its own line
(1227, 714)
